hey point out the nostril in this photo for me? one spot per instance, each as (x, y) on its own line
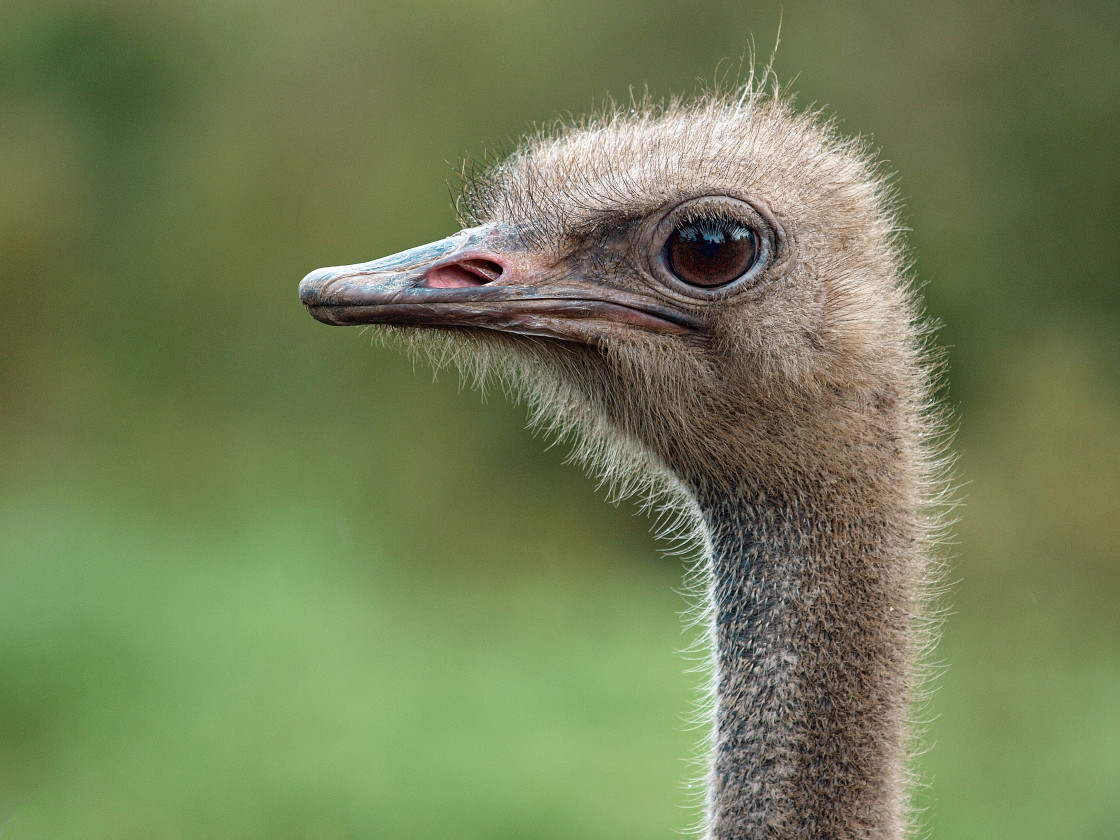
(484, 268)
(463, 274)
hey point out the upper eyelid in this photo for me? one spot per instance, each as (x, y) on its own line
(698, 212)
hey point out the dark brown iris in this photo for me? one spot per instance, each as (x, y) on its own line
(711, 252)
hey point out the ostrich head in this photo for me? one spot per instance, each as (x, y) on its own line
(696, 284)
(711, 296)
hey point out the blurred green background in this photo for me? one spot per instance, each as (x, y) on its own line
(261, 579)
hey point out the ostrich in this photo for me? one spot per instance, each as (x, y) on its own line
(710, 297)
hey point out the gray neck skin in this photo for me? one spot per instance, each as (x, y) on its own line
(812, 641)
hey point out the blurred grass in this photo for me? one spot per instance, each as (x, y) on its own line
(263, 580)
(272, 680)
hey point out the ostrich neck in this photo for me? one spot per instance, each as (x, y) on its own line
(812, 591)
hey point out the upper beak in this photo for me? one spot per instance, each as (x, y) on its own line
(483, 277)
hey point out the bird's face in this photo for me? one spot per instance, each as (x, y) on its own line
(673, 277)
(660, 274)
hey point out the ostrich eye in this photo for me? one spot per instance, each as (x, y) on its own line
(711, 252)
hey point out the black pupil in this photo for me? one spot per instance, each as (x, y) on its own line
(712, 252)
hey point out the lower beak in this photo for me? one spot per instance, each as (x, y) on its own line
(483, 277)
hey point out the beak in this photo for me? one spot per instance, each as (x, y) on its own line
(487, 278)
